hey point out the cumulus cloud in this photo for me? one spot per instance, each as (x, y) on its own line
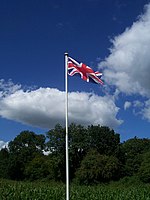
(127, 68)
(138, 104)
(44, 107)
(128, 65)
(7, 88)
(146, 110)
(127, 105)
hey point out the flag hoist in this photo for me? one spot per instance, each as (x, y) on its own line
(72, 67)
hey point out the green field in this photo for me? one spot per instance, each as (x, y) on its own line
(11, 190)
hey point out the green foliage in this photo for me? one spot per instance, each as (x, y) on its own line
(135, 146)
(22, 150)
(95, 156)
(37, 168)
(4, 157)
(28, 141)
(103, 139)
(56, 143)
(57, 167)
(133, 150)
(144, 170)
(81, 140)
(78, 142)
(127, 181)
(10, 190)
(97, 168)
(111, 169)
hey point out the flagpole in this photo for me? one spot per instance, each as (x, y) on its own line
(67, 154)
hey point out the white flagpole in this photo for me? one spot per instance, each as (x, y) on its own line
(67, 154)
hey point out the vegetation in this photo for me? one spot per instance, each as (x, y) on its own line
(26, 190)
(96, 156)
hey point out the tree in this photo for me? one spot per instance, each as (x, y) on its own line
(133, 150)
(37, 168)
(4, 157)
(56, 143)
(57, 167)
(97, 168)
(144, 170)
(135, 146)
(103, 139)
(81, 140)
(78, 146)
(27, 140)
(22, 150)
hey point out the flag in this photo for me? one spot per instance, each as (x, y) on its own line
(85, 72)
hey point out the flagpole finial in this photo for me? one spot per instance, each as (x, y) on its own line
(66, 54)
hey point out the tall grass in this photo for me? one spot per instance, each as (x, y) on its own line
(11, 190)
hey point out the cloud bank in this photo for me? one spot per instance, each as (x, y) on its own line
(128, 65)
(44, 107)
(127, 68)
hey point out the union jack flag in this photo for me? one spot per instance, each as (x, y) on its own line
(86, 73)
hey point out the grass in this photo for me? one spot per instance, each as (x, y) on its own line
(12, 190)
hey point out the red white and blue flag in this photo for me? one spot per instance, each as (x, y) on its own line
(86, 73)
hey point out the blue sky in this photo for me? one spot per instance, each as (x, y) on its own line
(111, 35)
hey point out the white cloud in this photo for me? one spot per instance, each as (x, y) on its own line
(128, 65)
(44, 107)
(138, 104)
(127, 68)
(146, 110)
(3, 144)
(127, 105)
(89, 108)
(7, 88)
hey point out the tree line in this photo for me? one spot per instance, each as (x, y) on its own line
(96, 155)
